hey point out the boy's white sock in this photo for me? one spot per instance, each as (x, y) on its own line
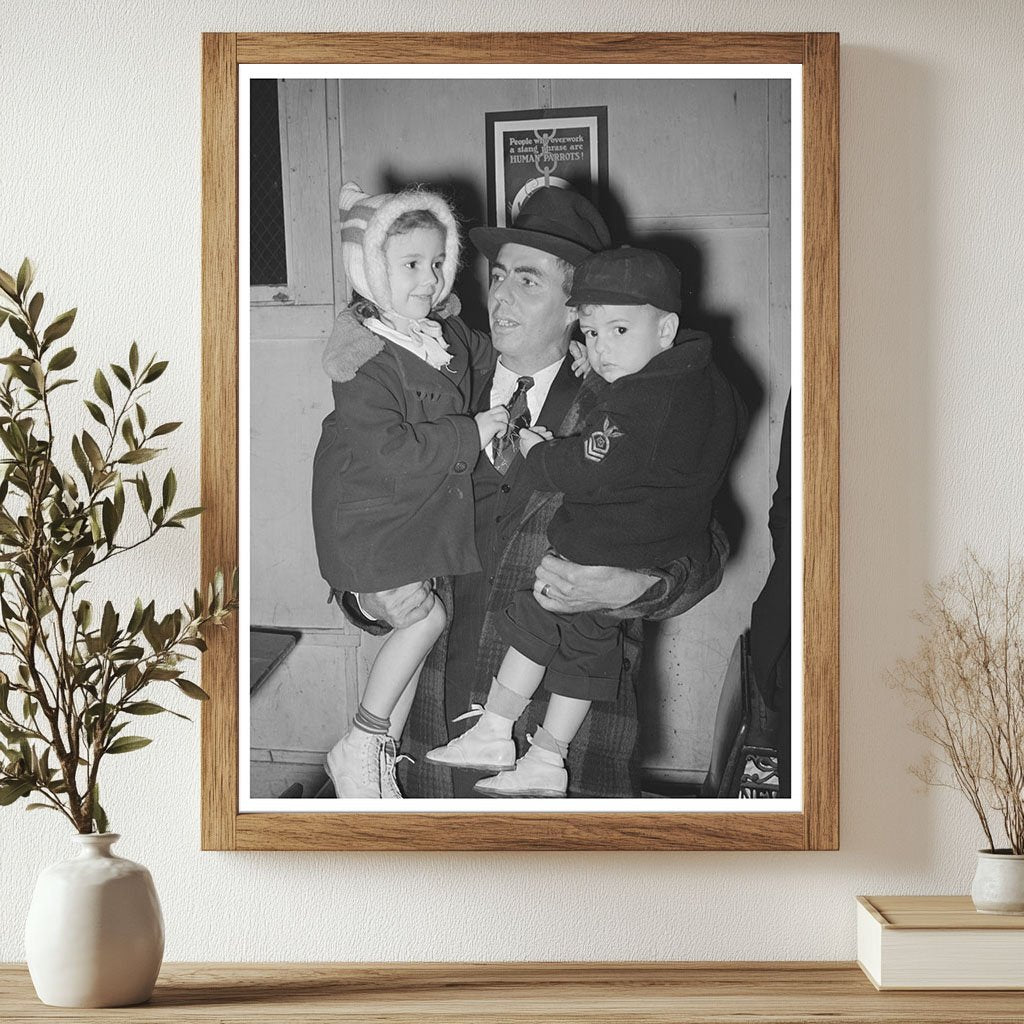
(502, 709)
(549, 748)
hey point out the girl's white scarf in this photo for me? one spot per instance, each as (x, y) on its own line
(424, 340)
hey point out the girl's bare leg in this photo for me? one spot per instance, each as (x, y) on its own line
(400, 713)
(398, 663)
(352, 763)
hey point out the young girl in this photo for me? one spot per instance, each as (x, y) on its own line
(392, 488)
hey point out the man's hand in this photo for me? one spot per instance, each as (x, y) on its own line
(401, 606)
(566, 587)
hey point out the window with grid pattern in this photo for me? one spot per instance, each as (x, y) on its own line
(268, 264)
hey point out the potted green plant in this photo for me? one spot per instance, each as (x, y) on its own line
(967, 682)
(76, 672)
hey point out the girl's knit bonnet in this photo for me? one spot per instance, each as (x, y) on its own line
(364, 227)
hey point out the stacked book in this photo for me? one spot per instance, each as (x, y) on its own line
(938, 942)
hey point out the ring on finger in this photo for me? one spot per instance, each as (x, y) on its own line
(545, 591)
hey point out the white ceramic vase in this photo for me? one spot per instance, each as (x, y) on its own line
(95, 933)
(999, 883)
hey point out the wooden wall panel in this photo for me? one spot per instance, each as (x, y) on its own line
(681, 148)
(291, 394)
(310, 274)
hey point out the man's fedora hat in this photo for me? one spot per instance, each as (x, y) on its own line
(553, 220)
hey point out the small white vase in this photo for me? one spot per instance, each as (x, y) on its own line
(95, 933)
(999, 883)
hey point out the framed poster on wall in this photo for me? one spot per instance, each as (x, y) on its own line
(531, 149)
(719, 152)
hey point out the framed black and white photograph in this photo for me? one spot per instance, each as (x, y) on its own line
(535, 499)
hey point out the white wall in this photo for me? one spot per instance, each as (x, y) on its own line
(99, 168)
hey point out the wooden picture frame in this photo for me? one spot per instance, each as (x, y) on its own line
(816, 825)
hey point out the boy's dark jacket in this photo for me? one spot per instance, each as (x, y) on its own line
(392, 488)
(651, 454)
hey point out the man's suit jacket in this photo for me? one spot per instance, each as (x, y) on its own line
(501, 500)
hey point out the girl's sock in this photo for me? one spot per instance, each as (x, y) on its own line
(369, 722)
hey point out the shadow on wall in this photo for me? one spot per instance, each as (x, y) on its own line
(889, 268)
(719, 326)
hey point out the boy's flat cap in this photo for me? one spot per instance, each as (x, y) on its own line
(628, 277)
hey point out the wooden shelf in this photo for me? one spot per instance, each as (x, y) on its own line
(661, 993)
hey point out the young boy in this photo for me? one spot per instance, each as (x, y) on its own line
(638, 482)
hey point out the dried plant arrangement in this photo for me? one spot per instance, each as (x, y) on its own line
(75, 674)
(967, 680)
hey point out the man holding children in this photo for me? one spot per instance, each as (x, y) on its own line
(592, 512)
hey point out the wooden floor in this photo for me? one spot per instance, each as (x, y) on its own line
(479, 993)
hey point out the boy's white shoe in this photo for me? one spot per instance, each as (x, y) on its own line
(538, 773)
(481, 747)
(356, 765)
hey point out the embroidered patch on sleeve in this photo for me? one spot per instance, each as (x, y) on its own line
(599, 444)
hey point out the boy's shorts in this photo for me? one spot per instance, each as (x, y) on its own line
(582, 652)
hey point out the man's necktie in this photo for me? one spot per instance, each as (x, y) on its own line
(504, 445)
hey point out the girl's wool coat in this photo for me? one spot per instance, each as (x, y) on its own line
(392, 474)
